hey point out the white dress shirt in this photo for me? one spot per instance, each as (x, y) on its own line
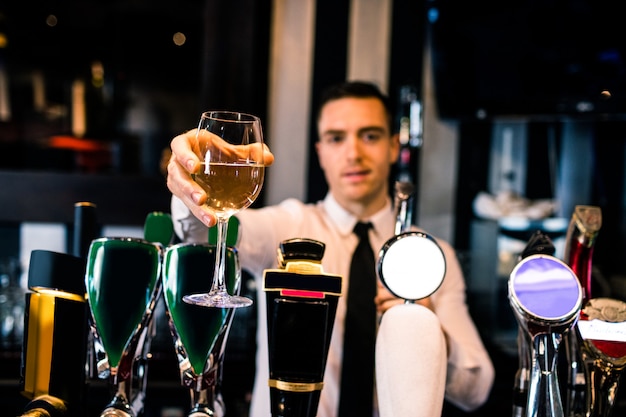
(470, 372)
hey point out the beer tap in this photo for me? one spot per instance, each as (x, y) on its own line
(600, 335)
(301, 306)
(412, 266)
(402, 197)
(539, 243)
(546, 299)
(597, 348)
(581, 236)
(54, 355)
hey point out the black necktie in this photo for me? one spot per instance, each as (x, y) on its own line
(357, 376)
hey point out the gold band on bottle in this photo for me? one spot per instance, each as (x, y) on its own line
(295, 386)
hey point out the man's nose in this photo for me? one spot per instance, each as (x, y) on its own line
(353, 145)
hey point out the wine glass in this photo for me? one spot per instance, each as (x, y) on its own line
(199, 333)
(230, 147)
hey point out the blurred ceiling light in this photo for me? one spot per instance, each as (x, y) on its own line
(51, 20)
(97, 74)
(3, 40)
(179, 38)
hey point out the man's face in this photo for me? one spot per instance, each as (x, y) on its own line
(356, 150)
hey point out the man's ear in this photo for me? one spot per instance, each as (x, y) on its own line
(395, 147)
(319, 159)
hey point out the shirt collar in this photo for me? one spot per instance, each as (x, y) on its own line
(345, 222)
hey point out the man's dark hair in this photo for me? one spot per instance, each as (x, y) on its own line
(355, 89)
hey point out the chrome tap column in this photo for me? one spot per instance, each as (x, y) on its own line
(539, 243)
(301, 306)
(199, 333)
(412, 266)
(123, 284)
(546, 299)
(403, 193)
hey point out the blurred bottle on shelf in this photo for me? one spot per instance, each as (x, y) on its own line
(11, 304)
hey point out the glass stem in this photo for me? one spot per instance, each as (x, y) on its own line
(220, 256)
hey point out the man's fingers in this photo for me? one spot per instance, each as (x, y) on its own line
(183, 147)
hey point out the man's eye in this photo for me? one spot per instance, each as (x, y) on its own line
(371, 137)
(335, 139)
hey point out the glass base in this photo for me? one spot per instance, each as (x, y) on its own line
(218, 299)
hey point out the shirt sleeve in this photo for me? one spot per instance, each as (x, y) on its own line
(261, 231)
(263, 228)
(470, 371)
(186, 226)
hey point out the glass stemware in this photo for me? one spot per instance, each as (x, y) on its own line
(230, 148)
(199, 333)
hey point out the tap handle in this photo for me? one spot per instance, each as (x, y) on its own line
(402, 195)
(300, 249)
